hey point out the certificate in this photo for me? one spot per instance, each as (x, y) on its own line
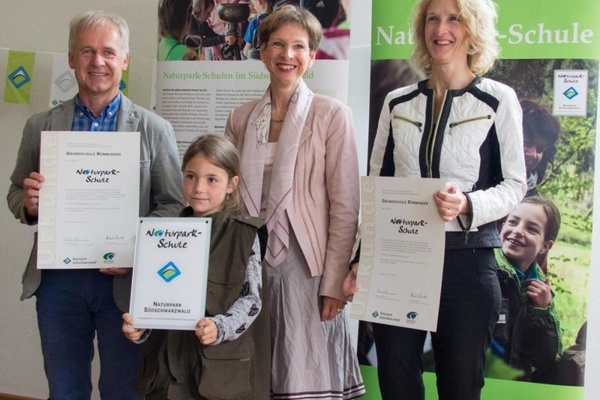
(402, 253)
(89, 202)
(170, 273)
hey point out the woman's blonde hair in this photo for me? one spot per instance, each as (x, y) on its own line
(222, 153)
(479, 18)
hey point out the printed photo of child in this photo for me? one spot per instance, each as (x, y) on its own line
(528, 333)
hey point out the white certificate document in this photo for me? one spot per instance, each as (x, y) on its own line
(89, 202)
(170, 273)
(402, 252)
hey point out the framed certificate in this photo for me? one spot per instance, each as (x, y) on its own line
(89, 202)
(170, 272)
(402, 252)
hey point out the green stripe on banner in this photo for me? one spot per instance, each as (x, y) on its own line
(532, 29)
(19, 73)
(494, 389)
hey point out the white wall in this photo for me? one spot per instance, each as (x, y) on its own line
(43, 27)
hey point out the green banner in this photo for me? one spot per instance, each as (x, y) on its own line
(494, 389)
(532, 29)
(19, 73)
(550, 52)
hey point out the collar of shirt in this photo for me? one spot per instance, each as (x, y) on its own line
(84, 119)
(530, 273)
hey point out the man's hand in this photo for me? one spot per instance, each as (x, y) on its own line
(31, 193)
(115, 271)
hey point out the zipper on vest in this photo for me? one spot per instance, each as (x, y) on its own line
(433, 134)
(418, 124)
(464, 121)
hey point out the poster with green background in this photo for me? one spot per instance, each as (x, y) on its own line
(542, 42)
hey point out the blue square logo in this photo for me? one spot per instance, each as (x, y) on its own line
(570, 93)
(169, 272)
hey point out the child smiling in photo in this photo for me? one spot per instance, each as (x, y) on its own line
(528, 333)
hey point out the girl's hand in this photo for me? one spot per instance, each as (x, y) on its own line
(450, 202)
(539, 292)
(206, 331)
(130, 332)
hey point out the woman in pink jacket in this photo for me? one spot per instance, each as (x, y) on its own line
(300, 174)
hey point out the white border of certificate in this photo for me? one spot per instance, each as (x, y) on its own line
(89, 201)
(170, 273)
(402, 252)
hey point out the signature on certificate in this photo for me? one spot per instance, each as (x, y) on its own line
(115, 237)
(75, 241)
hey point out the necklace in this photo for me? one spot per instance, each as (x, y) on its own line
(277, 120)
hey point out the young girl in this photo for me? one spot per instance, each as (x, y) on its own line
(528, 333)
(228, 356)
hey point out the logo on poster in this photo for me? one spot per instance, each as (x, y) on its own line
(19, 77)
(570, 93)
